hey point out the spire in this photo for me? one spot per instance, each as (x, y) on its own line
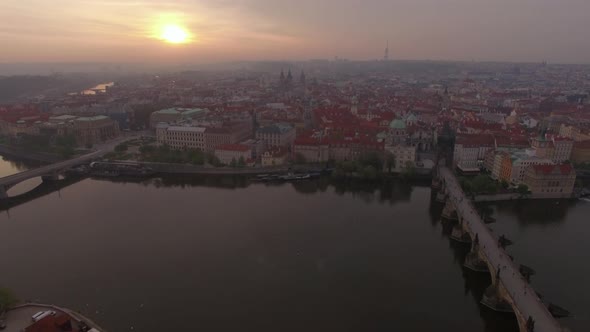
(282, 77)
(289, 76)
(386, 56)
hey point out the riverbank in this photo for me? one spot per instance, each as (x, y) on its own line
(517, 196)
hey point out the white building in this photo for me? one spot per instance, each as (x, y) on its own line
(404, 155)
(181, 137)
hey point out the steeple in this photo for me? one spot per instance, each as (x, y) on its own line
(289, 76)
(302, 77)
(282, 77)
(386, 56)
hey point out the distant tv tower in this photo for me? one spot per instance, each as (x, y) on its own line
(386, 56)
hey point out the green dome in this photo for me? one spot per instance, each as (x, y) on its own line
(397, 124)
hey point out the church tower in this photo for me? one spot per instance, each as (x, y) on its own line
(354, 106)
(386, 55)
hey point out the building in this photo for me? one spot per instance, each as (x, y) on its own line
(562, 149)
(311, 149)
(551, 180)
(279, 134)
(581, 152)
(556, 148)
(274, 157)
(215, 137)
(470, 151)
(172, 115)
(257, 147)
(95, 129)
(397, 132)
(405, 155)
(181, 137)
(228, 153)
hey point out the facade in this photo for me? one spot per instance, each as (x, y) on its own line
(557, 148)
(312, 150)
(555, 180)
(397, 132)
(274, 157)
(181, 137)
(581, 152)
(404, 155)
(279, 134)
(95, 129)
(226, 153)
(470, 151)
(257, 147)
(562, 149)
(215, 137)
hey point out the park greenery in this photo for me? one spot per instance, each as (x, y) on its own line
(62, 145)
(480, 184)
(371, 166)
(164, 154)
(7, 299)
(582, 166)
(483, 184)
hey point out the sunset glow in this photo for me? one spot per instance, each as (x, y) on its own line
(174, 34)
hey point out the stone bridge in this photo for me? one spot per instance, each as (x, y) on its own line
(509, 291)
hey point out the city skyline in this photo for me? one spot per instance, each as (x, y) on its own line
(183, 31)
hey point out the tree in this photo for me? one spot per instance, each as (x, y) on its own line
(242, 162)
(348, 166)
(505, 184)
(7, 299)
(121, 147)
(523, 189)
(233, 162)
(409, 170)
(389, 161)
(144, 149)
(370, 172)
(299, 158)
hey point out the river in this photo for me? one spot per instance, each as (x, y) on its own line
(225, 254)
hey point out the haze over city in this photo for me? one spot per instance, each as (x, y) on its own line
(294, 165)
(210, 31)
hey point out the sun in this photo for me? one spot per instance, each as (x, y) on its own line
(174, 34)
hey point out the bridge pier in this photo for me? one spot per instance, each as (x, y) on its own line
(473, 261)
(3, 192)
(494, 297)
(50, 177)
(459, 234)
(449, 212)
(441, 197)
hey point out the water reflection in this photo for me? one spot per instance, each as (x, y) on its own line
(534, 212)
(391, 191)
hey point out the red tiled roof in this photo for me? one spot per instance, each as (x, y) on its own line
(564, 169)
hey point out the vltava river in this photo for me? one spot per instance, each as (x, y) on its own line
(224, 254)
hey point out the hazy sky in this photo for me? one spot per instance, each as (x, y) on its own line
(126, 30)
